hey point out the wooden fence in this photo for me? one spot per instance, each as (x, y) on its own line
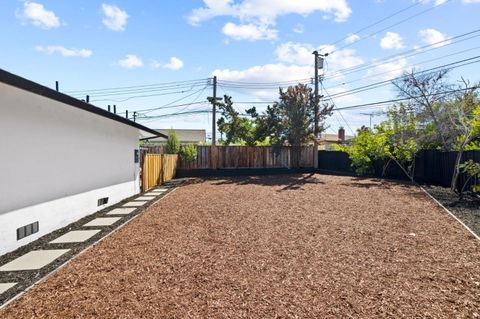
(157, 169)
(231, 157)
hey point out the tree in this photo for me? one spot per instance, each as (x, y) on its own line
(290, 120)
(173, 144)
(426, 92)
(401, 136)
(466, 120)
(236, 128)
(364, 150)
(394, 140)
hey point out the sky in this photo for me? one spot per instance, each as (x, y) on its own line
(158, 57)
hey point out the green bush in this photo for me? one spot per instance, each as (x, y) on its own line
(188, 153)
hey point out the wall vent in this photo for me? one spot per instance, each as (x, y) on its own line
(102, 201)
(27, 230)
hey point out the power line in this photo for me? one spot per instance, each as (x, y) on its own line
(140, 96)
(416, 64)
(451, 65)
(138, 91)
(138, 86)
(333, 102)
(408, 53)
(400, 99)
(378, 22)
(172, 103)
(391, 26)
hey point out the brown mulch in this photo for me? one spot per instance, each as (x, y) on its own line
(273, 246)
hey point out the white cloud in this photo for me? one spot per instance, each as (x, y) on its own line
(258, 17)
(351, 38)
(174, 64)
(249, 32)
(299, 28)
(392, 40)
(39, 16)
(431, 36)
(267, 11)
(388, 70)
(435, 2)
(131, 61)
(301, 53)
(66, 52)
(295, 62)
(266, 73)
(114, 18)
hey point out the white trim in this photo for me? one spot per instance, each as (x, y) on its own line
(450, 213)
(58, 213)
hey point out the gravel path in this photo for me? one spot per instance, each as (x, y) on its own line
(273, 246)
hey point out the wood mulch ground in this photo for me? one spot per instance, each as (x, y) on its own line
(273, 246)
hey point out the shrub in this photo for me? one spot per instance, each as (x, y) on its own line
(188, 153)
(173, 144)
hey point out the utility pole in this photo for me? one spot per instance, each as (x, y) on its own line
(371, 115)
(318, 65)
(56, 86)
(316, 101)
(134, 116)
(214, 110)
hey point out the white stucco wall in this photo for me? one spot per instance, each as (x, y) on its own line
(56, 161)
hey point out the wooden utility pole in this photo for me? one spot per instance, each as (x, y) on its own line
(213, 148)
(316, 128)
(214, 112)
(316, 105)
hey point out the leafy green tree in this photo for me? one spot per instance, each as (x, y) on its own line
(173, 144)
(472, 169)
(236, 128)
(364, 150)
(394, 140)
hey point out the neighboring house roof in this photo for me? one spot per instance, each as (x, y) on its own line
(332, 138)
(22, 83)
(184, 135)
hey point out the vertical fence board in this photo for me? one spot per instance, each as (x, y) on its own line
(157, 168)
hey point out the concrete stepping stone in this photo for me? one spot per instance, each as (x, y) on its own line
(5, 286)
(102, 221)
(159, 190)
(146, 197)
(33, 260)
(121, 211)
(135, 204)
(75, 236)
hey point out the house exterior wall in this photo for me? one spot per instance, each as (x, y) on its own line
(57, 161)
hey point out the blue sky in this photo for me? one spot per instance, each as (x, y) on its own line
(88, 45)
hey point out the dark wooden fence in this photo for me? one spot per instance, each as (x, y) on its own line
(432, 167)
